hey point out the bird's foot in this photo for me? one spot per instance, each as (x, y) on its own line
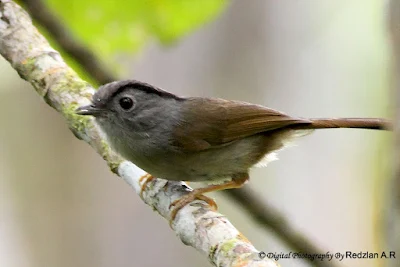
(147, 178)
(186, 199)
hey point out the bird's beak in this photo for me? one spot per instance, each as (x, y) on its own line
(88, 110)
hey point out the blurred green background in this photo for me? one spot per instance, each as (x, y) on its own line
(61, 206)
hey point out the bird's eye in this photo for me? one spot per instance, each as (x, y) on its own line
(126, 103)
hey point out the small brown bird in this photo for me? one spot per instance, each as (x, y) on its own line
(198, 139)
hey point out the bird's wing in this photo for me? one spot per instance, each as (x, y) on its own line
(209, 122)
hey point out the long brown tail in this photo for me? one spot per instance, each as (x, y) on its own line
(363, 123)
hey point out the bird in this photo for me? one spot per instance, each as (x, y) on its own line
(198, 139)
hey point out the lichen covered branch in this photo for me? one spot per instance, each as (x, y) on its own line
(79, 52)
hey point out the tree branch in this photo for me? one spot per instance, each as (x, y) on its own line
(35, 61)
(79, 52)
(263, 214)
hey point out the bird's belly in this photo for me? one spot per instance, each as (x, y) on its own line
(170, 163)
(212, 165)
(181, 167)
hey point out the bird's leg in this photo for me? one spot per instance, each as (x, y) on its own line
(147, 179)
(236, 182)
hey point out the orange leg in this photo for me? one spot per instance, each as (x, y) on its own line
(197, 194)
(147, 179)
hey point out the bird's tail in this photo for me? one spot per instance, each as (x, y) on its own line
(362, 123)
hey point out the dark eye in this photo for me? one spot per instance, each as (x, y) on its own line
(126, 103)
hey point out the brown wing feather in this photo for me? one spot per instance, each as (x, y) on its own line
(216, 122)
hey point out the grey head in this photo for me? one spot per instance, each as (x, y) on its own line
(131, 89)
(127, 101)
(129, 111)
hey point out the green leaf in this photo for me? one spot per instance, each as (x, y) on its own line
(109, 27)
